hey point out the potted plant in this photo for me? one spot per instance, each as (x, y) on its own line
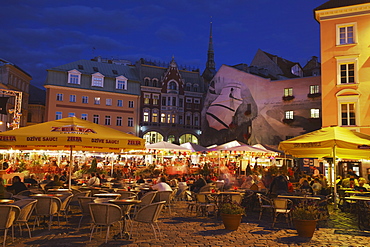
(305, 218)
(231, 214)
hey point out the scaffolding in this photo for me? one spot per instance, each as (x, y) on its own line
(17, 110)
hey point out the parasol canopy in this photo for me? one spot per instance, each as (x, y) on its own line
(163, 145)
(194, 147)
(321, 143)
(70, 133)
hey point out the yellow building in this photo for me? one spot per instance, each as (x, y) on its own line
(345, 51)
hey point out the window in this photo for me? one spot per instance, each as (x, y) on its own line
(188, 120)
(72, 98)
(196, 121)
(59, 97)
(130, 104)
(173, 118)
(154, 117)
(146, 81)
(315, 113)
(289, 115)
(163, 101)
(107, 120)
(108, 102)
(347, 73)
(71, 114)
(84, 116)
(174, 100)
(130, 122)
(120, 103)
(85, 99)
(314, 89)
(97, 82)
(348, 115)
(74, 76)
(146, 117)
(155, 83)
(181, 102)
(188, 86)
(288, 92)
(195, 88)
(172, 85)
(58, 115)
(97, 100)
(119, 121)
(168, 118)
(155, 99)
(146, 98)
(163, 118)
(168, 101)
(189, 100)
(96, 119)
(346, 33)
(121, 83)
(181, 121)
(347, 69)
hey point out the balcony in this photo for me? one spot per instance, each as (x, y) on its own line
(288, 98)
(313, 95)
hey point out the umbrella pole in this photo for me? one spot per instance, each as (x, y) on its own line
(70, 169)
(335, 178)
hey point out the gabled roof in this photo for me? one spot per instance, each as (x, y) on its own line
(340, 3)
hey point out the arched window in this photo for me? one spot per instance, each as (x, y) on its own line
(172, 85)
(155, 83)
(188, 138)
(146, 81)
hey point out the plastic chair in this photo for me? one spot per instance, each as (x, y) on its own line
(105, 214)
(27, 206)
(264, 203)
(47, 206)
(146, 200)
(84, 206)
(282, 206)
(165, 196)
(9, 213)
(149, 214)
(203, 205)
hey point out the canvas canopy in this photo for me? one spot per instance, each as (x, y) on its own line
(167, 146)
(70, 133)
(321, 143)
(194, 147)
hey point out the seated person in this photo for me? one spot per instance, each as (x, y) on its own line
(306, 188)
(64, 177)
(198, 184)
(94, 180)
(31, 180)
(360, 186)
(55, 183)
(316, 186)
(162, 185)
(17, 186)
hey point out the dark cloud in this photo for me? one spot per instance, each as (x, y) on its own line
(170, 33)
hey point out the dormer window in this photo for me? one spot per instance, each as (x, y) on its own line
(97, 80)
(121, 83)
(74, 77)
(296, 70)
(172, 85)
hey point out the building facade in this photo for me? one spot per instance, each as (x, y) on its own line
(15, 79)
(171, 103)
(265, 103)
(345, 82)
(105, 93)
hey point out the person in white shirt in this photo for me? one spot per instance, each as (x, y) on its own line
(162, 185)
(94, 180)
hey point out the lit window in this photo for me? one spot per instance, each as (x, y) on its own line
(72, 98)
(119, 121)
(130, 104)
(107, 120)
(155, 99)
(154, 117)
(289, 115)
(85, 99)
(288, 92)
(163, 118)
(96, 119)
(348, 116)
(59, 97)
(130, 122)
(168, 118)
(71, 114)
(146, 98)
(108, 102)
(120, 103)
(314, 89)
(97, 100)
(315, 113)
(84, 116)
(346, 33)
(58, 115)
(173, 118)
(146, 117)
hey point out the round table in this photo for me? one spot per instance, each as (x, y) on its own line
(102, 195)
(51, 195)
(58, 190)
(125, 201)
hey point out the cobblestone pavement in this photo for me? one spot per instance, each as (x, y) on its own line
(183, 228)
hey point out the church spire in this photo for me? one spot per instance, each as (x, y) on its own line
(211, 54)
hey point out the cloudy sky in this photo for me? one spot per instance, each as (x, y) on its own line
(40, 34)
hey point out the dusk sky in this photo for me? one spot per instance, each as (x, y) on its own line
(40, 34)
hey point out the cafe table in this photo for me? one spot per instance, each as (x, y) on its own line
(58, 190)
(357, 192)
(107, 195)
(362, 209)
(49, 194)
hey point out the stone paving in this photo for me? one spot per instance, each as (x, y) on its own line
(183, 228)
